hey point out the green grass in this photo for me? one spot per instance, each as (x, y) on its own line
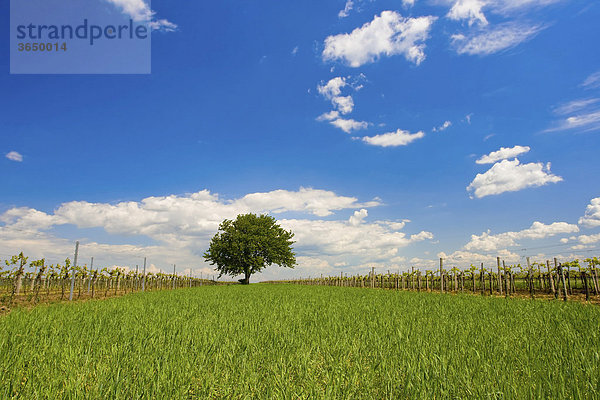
(289, 342)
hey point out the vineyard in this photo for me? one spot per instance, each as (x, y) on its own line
(546, 279)
(30, 282)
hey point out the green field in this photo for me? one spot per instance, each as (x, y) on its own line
(286, 341)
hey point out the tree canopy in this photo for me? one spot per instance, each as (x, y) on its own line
(249, 244)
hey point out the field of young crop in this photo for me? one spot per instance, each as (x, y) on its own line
(291, 341)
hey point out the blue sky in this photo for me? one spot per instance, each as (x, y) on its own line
(322, 114)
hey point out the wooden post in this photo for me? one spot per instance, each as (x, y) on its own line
(552, 288)
(174, 276)
(90, 278)
(74, 271)
(499, 276)
(562, 277)
(482, 279)
(372, 277)
(569, 279)
(441, 275)
(530, 276)
(144, 277)
(506, 281)
(585, 285)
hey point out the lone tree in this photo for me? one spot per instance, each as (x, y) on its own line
(248, 245)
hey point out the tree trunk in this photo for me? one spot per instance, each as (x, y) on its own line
(246, 280)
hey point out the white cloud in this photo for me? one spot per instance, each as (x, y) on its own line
(465, 258)
(503, 154)
(574, 106)
(408, 3)
(592, 81)
(347, 8)
(511, 176)
(589, 239)
(358, 217)
(369, 241)
(584, 122)
(295, 51)
(14, 156)
(393, 139)
(592, 214)
(387, 34)
(139, 11)
(328, 116)
(332, 90)
(349, 125)
(344, 104)
(181, 227)
(493, 40)
(443, 127)
(487, 242)
(468, 10)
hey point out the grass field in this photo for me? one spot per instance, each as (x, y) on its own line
(290, 342)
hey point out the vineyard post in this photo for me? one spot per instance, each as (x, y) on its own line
(32, 283)
(137, 278)
(441, 275)
(530, 276)
(585, 285)
(506, 280)
(562, 277)
(499, 276)
(569, 279)
(74, 270)
(482, 280)
(90, 276)
(551, 278)
(372, 277)
(144, 276)
(174, 276)
(594, 276)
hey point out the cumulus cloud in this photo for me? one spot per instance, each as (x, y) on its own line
(592, 214)
(139, 11)
(358, 217)
(469, 10)
(349, 125)
(511, 176)
(393, 139)
(589, 239)
(387, 34)
(332, 91)
(503, 154)
(14, 156)
(369, 241)
(465, 258)
(492, 40)
(181, 226)
(487, 242)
